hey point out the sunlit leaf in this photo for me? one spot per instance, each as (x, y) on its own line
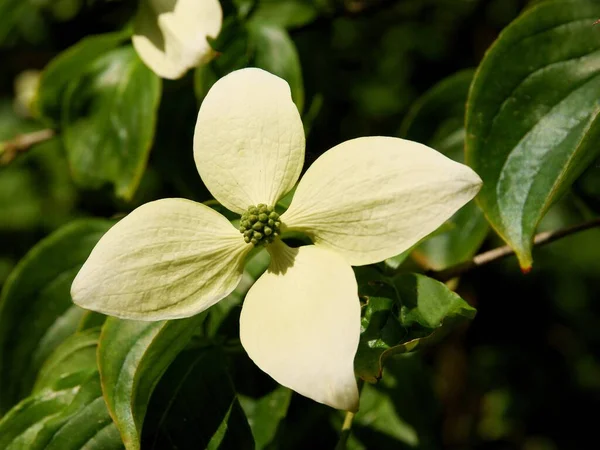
(532, 116)
(109, 119)
(402, 314)
(70, 65)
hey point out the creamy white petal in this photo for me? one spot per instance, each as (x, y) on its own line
(168, 259)
(372, 198)
(300, 323)
(170, 35)
(249, 140)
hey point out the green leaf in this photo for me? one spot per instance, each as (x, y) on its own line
(69, 66)
(195, 406)
(437, 120)
(36, 310)
(132, 356)
(401, 408)
(76, 354)
(286, 13)
(10, 13)
(109, 119)
(401, 314)
(275, 52)
(266, 413)
(67, 411)
(532, 116)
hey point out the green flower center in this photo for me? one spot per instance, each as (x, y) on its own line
(260, 225)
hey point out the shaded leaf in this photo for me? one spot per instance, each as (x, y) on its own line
(36, 310)
(532, 116)
(195, 406)
(286, 13)
(275, 52)
(401, 410)
(132, 356)
(266, 413)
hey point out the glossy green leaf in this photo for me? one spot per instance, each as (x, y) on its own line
(36, 310)
(275, 52)
(109, 118)
(69, 66)
(132, 356)
(437, 120)
(266, 413)
(532, 116)
(66, 411)
(195, 406)
(402, 314)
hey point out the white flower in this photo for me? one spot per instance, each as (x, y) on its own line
(361, 202)
(170, 35)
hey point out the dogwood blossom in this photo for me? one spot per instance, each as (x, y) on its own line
(364, 200)
(170, 36)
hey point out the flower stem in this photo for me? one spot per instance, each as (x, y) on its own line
(347, 425)
(21, 143)
(345, 434)
(502, 252)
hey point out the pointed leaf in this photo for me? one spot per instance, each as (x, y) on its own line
(532, 116)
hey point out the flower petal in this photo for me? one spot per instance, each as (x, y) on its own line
(372, 198)
(300, 323)
(249, 140)
(168, 259)
(170, 35)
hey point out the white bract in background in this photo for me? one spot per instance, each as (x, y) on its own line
(361, 202)
(170, 36)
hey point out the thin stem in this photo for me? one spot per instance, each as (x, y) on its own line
(502, 252)
(346, 429)
(347, 425)
(21, 143)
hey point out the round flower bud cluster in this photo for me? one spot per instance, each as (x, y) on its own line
(260, 225)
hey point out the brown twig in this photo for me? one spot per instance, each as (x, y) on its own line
(21, 143)
(502, 252)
